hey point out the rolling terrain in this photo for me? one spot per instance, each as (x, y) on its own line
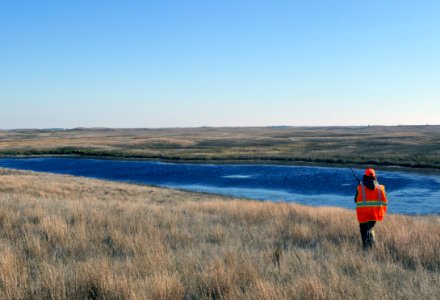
(64, 237)
(402, 146)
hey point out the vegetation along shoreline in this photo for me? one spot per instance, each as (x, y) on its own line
(408, 147)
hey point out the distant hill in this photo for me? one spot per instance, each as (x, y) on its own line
(382, 146)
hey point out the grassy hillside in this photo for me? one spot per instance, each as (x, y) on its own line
(72, 238)
(405, 146)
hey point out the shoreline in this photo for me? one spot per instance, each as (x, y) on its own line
(149, 240)
(242, 161)
(224, 197)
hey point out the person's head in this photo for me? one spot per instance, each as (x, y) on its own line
(370, 174)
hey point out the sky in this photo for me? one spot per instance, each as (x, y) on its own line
(96, 63)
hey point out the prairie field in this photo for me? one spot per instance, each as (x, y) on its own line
(402, 146)
(64, 237)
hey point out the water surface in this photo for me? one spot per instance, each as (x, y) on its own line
(408, 193)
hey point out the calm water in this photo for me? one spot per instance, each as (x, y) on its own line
(408, 193)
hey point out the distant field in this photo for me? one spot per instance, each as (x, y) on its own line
(404, 146)
(63, 237)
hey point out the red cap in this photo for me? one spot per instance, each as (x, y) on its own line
(370, 172)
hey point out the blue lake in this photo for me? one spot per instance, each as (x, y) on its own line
(408, 192)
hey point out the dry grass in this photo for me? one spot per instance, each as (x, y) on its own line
(72, 238)
(405, 146)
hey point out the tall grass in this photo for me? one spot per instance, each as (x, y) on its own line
(72, 238)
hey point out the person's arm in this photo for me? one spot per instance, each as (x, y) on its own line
(384, 193)
(356, 196)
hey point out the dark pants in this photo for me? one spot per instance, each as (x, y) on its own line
(367, 234)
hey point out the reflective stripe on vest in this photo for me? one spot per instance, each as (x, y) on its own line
(366, 203)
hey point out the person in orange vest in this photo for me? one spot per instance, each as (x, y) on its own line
(371, 206)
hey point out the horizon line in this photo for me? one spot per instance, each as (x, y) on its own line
(199, 127)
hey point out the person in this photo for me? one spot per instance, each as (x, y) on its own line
(371, 206)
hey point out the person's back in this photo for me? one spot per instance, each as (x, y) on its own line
(371, 206)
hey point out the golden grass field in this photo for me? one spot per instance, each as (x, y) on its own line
(64, 237)
(403, 146)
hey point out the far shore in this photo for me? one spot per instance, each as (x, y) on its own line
(409, 148)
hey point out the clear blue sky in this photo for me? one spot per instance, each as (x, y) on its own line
(218, 63)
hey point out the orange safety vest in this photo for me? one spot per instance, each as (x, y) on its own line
(371, 205)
